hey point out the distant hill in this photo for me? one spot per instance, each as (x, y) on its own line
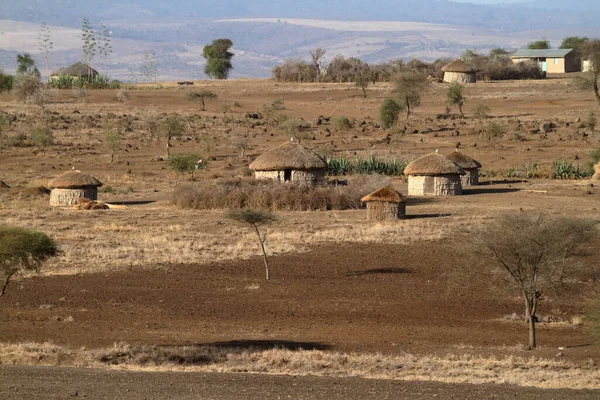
(511, 17)
(265, 32)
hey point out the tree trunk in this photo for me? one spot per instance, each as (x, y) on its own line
(532, 332)
(203, 105)
(5, 285)
(264, 252)
(168, 146)
(364, 92)
(596, 89)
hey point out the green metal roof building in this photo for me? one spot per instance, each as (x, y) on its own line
(552, 61)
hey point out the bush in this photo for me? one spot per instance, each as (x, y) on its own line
(389, 112)
(42, 136)
(122, 96)
(295, 71)
(29, 89)
(563, 169)
(342, 123)
(95, 82)
(6, 82)
(525, 171)
(372, 165)
(186, 163)
(274, 196)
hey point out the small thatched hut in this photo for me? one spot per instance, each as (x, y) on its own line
(470, 165)
(77, 70)
(435, 175)
(290, 162)
(385, 203)
(71, 186)
(459, 71)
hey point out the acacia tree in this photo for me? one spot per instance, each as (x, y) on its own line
(363, 78)
(255, 218)
(170, 127)
(22, 251)
(543, 44)
(455, 97)
(46, 45)
(218, 58)
(88, 49)
(590, 51)
(531, 254)
(202, 95)
(409, 85)
(26, 65)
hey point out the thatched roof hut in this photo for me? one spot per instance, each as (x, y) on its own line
(385, 203)
(290, 162)
(76, 70)
(459, 71)
(71, 186)
(470, 165)
(433, 174)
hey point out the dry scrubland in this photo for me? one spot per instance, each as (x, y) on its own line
(148, 234)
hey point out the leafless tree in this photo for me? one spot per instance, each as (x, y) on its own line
(316, 58)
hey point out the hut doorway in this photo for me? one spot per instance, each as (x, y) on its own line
(287, 175)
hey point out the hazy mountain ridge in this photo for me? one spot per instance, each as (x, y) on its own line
(507, 17)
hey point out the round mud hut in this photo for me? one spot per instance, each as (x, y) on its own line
(290, 162)
(459, 71)
(385, 204)
(469, 165)
(433, 175)
(77, 70)
(71, 186)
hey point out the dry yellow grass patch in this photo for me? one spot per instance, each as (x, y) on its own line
(534, 372)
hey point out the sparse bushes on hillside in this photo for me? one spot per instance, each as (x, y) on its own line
(274, 196)
(295, 71)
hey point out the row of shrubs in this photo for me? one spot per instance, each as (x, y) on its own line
(273, 196)
(95, 82)
(341, 69)
(341, 166)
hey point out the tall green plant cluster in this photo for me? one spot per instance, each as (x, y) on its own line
(6, 82)
(563, 169)
(370, 165)
(95, 82)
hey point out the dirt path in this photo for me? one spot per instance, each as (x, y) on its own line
(63, 383)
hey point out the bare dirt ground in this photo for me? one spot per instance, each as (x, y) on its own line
(62, 383)
(152, 274)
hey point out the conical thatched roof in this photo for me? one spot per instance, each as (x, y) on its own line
(457, 66)
(73, 180)
(77, 69)
(433, 164)
(463, 161)
(386, 193)
(288, 155)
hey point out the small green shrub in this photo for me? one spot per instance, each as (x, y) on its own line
(493, 130)
(368, 166)
(278, 104)
(389, 112)
(6, 82)
(563, 169)
(42, 136)
(342, 123)
(525, 171)
(186, 163)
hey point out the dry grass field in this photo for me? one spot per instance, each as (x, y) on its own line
(181, 289)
